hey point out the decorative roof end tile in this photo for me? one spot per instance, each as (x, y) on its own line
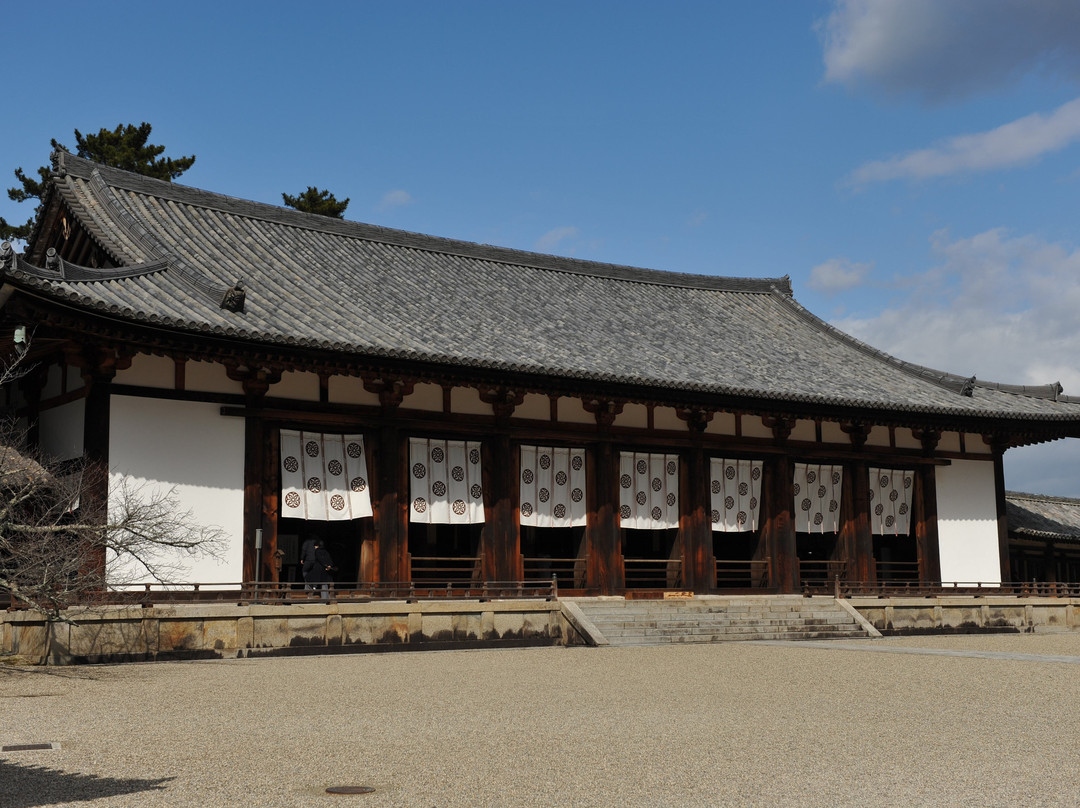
(7, 256)
(968, 389)
(233, 299)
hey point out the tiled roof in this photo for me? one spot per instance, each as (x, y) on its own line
(1042, 516)
(364, 290)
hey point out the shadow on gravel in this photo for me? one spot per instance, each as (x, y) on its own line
(27, 786)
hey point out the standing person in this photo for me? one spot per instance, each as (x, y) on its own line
(317, 566)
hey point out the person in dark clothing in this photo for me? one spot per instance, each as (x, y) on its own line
(317, 566)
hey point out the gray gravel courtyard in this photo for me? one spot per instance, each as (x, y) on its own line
(737, 724)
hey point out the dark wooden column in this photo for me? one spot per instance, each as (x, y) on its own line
(777, 501)
(999, 445)
(255, 381)
(856, 531)
(501, 537)
(391, 493)
(926, 524)
(695, 527)
(605, 568)
(98, 365)
(778, 523)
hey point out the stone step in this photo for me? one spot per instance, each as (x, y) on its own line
(644, 622)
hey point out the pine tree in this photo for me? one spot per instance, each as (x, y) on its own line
(123, 147)
(313, 200)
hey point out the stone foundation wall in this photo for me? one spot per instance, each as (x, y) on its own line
(190, 631)
(988, 613)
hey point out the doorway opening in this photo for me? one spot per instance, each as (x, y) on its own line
(651, 559)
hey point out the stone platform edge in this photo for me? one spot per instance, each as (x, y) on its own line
(222, 631)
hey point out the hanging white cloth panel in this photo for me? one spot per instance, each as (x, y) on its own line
(323, 476)
(552, 486)
(890, 501)
(736, 495)
(446, 482)
(648, 491)
(817, 497)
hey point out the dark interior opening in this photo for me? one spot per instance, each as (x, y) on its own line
(445, 554)
(343, 541)
(740, 564)
(650, 559)
(897, 558)
(558, 551)
(817, 553)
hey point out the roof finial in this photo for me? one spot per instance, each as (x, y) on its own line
(52, 260)
(233, 299)
(7, 255)
(968, 389)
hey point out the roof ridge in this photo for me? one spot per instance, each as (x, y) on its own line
(109, 176)
(1019, 495)
(962, 385)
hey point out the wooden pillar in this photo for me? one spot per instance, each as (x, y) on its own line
(1002, 518)
(256, 382)
(391, 526)
(926, 527)
(856, 532)
(778, 523)
(500, 542)
(695, 528)
(605, 565)
(390, 499)
(270, 494)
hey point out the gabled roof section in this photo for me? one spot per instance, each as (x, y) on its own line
(1043, 517)
(362, 290)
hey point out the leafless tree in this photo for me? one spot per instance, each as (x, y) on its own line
(62, 542)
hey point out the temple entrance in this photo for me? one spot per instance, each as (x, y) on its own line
(444, 554)
(558, 551)
(818, 565)
(740, 560)
(651, 559)
(896, 558)
(344, 541)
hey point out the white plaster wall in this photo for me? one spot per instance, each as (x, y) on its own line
(350, 390)
(534, 406)
(804, 431)
(149, 371)
(667, 418)
(191, 448)
(967, 522)
(425, 396)
(297, 385)
(633, 415)
(723, 423)
(61, 430)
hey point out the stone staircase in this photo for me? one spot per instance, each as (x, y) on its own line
(712, 618)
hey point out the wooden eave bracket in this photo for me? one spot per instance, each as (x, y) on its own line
(390, 390)
(697, 419)
(503, 400)
(781, 426)
(857, 431)
(604, 410)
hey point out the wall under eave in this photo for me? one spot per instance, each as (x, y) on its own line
(190, 447)
(967, 522)
(61, 430)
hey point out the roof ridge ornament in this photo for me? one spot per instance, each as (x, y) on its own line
(7, 256)
(234, 297)
(968, 388)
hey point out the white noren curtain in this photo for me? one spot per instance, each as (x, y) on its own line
(890, 501)
(552, 486)
(447, 486)
(817, 497)
(736, 494)
(648, 491)
(323, 476)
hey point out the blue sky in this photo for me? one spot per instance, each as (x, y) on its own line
(913, 165)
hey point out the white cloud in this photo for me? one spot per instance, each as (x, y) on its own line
(1020, 141)
(395, 199)
(942, 49)
(1002, 308)
(838, 274)
(697, 219)
(552, 238)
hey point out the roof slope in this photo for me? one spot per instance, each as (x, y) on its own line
(1043, 516)
(360, 289)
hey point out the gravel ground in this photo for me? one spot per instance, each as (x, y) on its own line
(736, 724)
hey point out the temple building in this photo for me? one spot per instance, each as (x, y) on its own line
(439, 410)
